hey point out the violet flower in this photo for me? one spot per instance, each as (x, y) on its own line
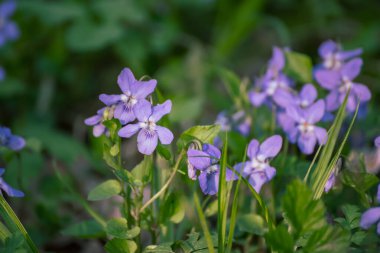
(8, 140)
(340, 82)
(372, 215)
(8, 29)
(237, 121)
(273, 81)
(11, 192)
(300, 126)
(377, 142)
(333, 56)
(106, 113)
(257, 170)
(207, 162)
(149, 131)
(133, 97)
(303, 99)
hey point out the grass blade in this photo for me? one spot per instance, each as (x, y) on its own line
(204, 226)
(222, 198)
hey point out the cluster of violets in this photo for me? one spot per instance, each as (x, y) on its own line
(298, 113)
(204, 164)
(135, 113)
(15, 143)
(8, 29)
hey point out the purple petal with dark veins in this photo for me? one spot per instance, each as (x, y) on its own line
(147, 141)
(199, 159)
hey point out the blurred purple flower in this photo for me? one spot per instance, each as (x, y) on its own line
(303, 99)
(8, 29)
(149, 132)
(272, 82)
(340, 82)
(7, 139)
(377, 142)
(372, 215)
(257, 170)
(330, 182)
(2, 74)
(300, 126)
(133, 97)
(206, 161)
(106, 113)
(11, 192)
(333, 56)
(237, 121)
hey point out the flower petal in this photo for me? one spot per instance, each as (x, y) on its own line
(209, 182)
(257, 98)
(270, 172)
(230, 175)
(330, 182)
(147, 141)
(362, 92)
(125, 79)
(109, 99)
(142, 110)
(191, 171)
(270, 147)
(253, 148)
(315, 112)
(199, 159)
(142, 89)
(283, 98)
(378, 193)
(98, 130)
(332, 101)
(129, 130)
(370, 217)
(352, 68)
(306, 143)
(93, 120)
(277, 62)
(257, 180)
(213, 151)
(326, 48)
(345, 55)
(11, 192)
(321, 135)
(124, 114)
(160, 110)
(295, 113)
(164, 134)
(328, 79)
(16, 142)
(308, 94)
(377, 143)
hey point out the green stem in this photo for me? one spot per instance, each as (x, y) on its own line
(166, 185)
(13, 220)
(203, 222)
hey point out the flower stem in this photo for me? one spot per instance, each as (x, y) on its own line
(11, 218)
(166, 185)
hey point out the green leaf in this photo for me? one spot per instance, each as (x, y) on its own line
(12, 243)
(326, 240)
(299, 66)
(158, 249)
(251, 223)
(212, 208)
(105, 190)
(195, 243)
(143, 171)
(352, 214)
(360, 182)
(301, 211)
(280, 240)
(164, 152)
(204, 134)
(85, 229)
(117, 245)
(118, 227)
(358, 237)
(173, 209)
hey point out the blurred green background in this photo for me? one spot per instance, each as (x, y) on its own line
(71, 51)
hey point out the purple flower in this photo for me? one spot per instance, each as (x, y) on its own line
(237, 121)
(7, 139)
(340, 82)
(8, 29)
(106, 113)
(272, 82)
(305, 98)
(206, 161)
(333, 56)
(257, 170)
(300, 126)
(372, 215)
(377, 142)
(2, 74)
(133, 97)
(11, 192)
(330, 182)
(149, 131)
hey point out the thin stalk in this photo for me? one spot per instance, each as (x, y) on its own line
(166, 185)
(11, 218)
(222, 198)
(203, 222)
